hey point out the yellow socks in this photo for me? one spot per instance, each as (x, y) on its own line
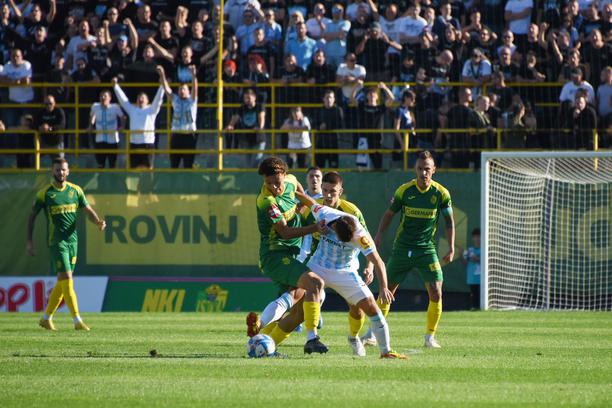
(384, 307)
(55, 298)
(434, 311)
(278, 335)
(70, 297)
(269, 328)
(312, 312)
(355, 325)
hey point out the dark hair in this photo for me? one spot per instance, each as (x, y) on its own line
(345, 227)
(59, 160)
(272, 166)
(311, 168)
(476, 231)
(424, 155)
(332, 177)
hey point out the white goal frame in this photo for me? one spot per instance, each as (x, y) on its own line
(486, 157)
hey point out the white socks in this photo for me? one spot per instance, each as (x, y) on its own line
(276, 309)
(378, 325)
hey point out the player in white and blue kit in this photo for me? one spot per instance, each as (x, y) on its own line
(336, 261)
(184, 115)
(108, 118)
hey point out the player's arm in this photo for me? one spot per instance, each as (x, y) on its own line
(287, 232)
(450, 233)
(384, 223)
(93, 217)
(30, 229)
(305, 199)
(385, 295)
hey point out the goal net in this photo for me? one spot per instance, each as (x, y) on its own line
(546, 230)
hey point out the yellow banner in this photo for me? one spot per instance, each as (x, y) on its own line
(174, 230)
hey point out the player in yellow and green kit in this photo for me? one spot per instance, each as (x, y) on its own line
(281, 230)
(61, 201)
(420, 203)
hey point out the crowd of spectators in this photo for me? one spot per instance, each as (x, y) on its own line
(351, 61)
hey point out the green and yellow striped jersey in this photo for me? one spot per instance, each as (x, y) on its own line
(61, 208)
(271, 210)
(420, 210)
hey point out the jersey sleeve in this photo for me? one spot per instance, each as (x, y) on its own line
(273, 213)
(364, 242)
(39, 201)
(445, 201)
(396, 201)
(81, 196)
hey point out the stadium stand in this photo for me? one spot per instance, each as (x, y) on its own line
(544, 68)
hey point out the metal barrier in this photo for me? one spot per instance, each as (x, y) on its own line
(219, 152)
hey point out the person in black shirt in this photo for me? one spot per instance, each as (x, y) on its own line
(503, 92)
(49, 121)
(372, 51)
(462, 116)
(37, 19)
(99, 51)
(38, 52)
(597, 54)
(264, 50)
(328, 119)
(258, 74)
(370, 116)
(196, 40)
(319, 72)
(250, 116)
(582, 121)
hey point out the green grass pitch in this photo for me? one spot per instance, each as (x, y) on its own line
(489, 359)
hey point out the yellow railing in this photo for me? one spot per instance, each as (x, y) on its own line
(220, 151)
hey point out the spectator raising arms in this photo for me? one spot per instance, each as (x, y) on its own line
(142, 123)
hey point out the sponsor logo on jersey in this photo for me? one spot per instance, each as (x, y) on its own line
(411, 197)
(63, 209)
(426, 213)
(435, 267)
(433, 199)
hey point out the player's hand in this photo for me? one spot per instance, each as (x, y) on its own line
(450, 256)
(321, 227)
(386, 296)
(30, 248)
(368, 274)
(101, 225)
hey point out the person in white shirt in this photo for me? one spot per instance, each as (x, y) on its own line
(16, 72)
(412, 26)
(78, 46)
(476, 70)
(350, 75)
(353, 9)
(108, 119)
(298, 126)
(568, 92)
(517, 14)
(316, 24)
(391, 26)
(142, 122)
(184, 115)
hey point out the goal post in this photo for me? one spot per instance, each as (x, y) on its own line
(546, 230)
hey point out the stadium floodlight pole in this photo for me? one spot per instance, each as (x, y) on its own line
(220, 89)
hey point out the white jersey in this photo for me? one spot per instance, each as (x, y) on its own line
(184, 113)
(307, 239)
(142, 120)
(331, 253)
(106, 119)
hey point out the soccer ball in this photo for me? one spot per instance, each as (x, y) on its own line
(260, 345)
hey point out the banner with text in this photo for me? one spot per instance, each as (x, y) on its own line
(31, 294)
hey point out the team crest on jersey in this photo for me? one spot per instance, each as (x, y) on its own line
(274, 212)
(71, 194)
(286, 261)
(364, 242)
(433, 199)
(316, 209)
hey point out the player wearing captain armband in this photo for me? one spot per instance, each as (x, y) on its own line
(420, 203)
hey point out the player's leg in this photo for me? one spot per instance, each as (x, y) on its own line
(272, 312)
(312, 285)
(288, 323)
(431, 273)
(65, 279)
(56, 295)
(356, 319)
(434, 312)
(352, 288)
(379, 327)
(398, 267)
